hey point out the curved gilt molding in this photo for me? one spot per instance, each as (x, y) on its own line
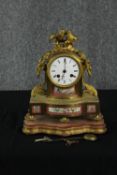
(42, 61)
(85, 129)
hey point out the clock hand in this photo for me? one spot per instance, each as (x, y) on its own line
(64, 63)
(64, 69)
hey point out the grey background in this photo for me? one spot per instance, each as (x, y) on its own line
(25, 26)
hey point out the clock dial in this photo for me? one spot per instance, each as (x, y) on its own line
(64, 71)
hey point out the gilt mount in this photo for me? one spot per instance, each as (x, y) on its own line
(64, 103)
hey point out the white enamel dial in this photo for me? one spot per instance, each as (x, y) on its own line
(64, 71)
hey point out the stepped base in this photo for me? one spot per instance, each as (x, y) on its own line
(63, 126)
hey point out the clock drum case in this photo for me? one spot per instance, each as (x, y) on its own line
(64, 104)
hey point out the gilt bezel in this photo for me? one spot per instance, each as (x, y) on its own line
(70, 55)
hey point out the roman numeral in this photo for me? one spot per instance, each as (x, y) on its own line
(59, 61)
(69, 61)
(64, 60)
(75, 70)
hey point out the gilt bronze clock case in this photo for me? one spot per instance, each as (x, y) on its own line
(64, 104)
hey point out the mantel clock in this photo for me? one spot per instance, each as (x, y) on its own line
(64, 104)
